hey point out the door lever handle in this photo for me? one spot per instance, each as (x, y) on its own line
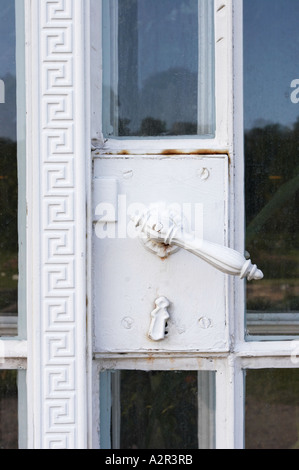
(161, 232)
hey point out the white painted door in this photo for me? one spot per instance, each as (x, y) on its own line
(158, 87)
(166, 268)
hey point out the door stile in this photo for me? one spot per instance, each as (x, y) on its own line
(229, 404)
(229, 375)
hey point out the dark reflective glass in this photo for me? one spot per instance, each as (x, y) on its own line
(8, 410)
(157, 410)
(272, 409)
(271, 105)
(158, 68)
(8, 172)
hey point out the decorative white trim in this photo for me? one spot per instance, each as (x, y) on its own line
(57, 404)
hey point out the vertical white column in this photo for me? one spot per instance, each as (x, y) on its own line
(21, 146)
(206, 68)
(57, 149)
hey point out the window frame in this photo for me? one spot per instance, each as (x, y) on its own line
(58, 40)
(223, 83)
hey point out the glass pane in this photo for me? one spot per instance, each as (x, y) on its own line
(11, 145)
(272, 409)
(8, 409)
(271, 97)
(157, 410)
(158, 60)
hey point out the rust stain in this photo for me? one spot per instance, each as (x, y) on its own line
(150, 359)
(209, 152)
(274, 177)
(171, 152)
(194, 152)
(176, 152)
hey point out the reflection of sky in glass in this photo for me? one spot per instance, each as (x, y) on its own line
(271, 53)
(8, 68)
(166, 36)
(8, 172)
(271, 44)
(7, 37)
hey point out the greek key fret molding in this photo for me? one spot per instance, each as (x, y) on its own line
(61, 188)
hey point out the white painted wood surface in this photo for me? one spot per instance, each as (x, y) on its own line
(57, 147)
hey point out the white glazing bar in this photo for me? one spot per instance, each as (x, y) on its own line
(13, 349)
(96, 59)
(237, 212)
(239, 405)
(21, 146)
(110, 58)
(224, 405)
(229, 403)
(223, 72)
(114, 58)
(237, 318)
(267, 349)
(206, 82)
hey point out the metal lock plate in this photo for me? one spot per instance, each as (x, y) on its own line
(128, 279)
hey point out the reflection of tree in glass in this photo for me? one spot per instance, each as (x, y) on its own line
(272, 397)
(272, 184)
(152, 127)
(166, 105)
(123, 128)
(158, 410)
(8, 226)
(8, 195)
(8, 410)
